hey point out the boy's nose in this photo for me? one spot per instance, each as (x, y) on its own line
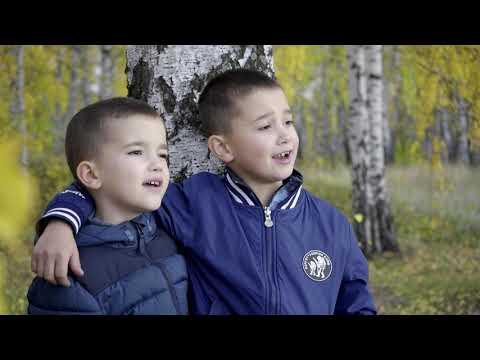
(283, 139)
(156, 165)
(283, 136)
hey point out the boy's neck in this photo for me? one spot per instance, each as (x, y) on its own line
(110, 214)
(263, 191)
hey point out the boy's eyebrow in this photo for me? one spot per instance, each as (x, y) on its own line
(141, 143)
(286, 111)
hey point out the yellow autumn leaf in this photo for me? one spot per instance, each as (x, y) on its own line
(358, 218)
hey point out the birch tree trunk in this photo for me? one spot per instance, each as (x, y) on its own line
(171, 77)
(358, 138)
(18, 105)
(375, 173)
(383, 237)
(373, 220)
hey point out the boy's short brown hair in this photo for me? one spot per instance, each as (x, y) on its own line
(217, 104)
(87, 130)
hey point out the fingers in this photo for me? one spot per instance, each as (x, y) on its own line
(49, 270)
(61, 270)
(40, 265)
(75, 265)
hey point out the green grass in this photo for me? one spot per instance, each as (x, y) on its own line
(437, 223)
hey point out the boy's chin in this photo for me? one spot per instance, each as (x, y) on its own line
(285, 174)
(152, 206)
(280, 177)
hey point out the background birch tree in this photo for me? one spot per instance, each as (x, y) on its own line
(359, 144)
(382, 234)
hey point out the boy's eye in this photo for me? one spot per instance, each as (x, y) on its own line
(135, 152)
(289, 122)
(163, 156)
(266, 127)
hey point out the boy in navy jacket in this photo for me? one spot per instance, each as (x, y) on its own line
(117, 150)
(255, 241)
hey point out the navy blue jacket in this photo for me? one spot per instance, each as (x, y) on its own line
(297, 257)
(132, 268)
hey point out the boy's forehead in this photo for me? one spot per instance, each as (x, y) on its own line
(135, 127)
(263, 100)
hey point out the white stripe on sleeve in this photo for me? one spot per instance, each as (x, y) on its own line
(67, 211)
(65, 215)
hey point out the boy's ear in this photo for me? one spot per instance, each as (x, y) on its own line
(87, 173)
(219, 147)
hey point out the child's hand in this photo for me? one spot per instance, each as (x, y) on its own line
(54, 252)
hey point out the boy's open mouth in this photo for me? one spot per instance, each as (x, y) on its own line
(283, 155)
(154, 183)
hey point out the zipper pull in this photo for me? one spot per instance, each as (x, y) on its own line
(268, 219)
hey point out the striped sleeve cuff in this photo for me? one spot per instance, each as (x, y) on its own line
(66, 214)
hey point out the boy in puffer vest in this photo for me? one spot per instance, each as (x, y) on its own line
(117, 150)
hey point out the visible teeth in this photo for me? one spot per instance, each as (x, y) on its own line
(283, 155)
(154, 183)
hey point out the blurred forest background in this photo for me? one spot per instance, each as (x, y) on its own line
(431, 140)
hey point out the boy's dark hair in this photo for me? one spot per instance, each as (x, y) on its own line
(217, 104)
(86, 131)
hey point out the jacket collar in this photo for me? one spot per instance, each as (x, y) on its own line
(95, 232)
(286, 197)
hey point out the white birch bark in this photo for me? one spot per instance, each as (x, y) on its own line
(171, 77)
(358, 137)
(381, 217)
(375, 175)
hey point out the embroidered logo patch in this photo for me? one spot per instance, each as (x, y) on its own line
(317, 265)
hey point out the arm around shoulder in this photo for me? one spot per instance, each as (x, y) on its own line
(73, 205)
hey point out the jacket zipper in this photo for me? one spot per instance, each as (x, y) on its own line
(268, 223)
(143, 251)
